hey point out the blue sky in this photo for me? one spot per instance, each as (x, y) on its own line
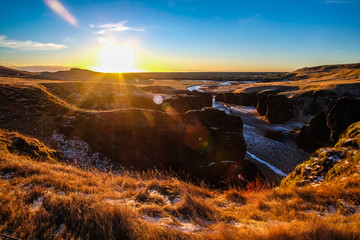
(183, 35)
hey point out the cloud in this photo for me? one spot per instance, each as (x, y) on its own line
(58, 8)
(29, 45)
(91, 25)
(117, 27)
(339, 1)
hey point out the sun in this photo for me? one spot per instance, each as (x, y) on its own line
(115, 58)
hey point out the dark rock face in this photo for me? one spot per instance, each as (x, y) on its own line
(240, 173)
(192, 142)
(314, 108)
(261, 105)
(315, 134)
(279, 109)
(345, 112)
(186, 102)
(245, 99)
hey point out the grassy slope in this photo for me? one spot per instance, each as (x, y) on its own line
(41, 199)
(330, 165)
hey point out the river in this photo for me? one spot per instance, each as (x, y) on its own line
(269, 146)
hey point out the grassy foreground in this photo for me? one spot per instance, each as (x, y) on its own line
(42, 199)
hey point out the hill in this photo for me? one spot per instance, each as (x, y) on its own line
(325, 71)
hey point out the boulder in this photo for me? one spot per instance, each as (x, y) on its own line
(279, 109)
(242, 98)
(344, 112)
(315, 134)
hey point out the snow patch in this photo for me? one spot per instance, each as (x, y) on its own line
(334, 158)
(79, 152)
(38, 203)
(183, 225)
(125, 201)
(156, 193)
(8, 176)
(176, 200)
(276, 170)
(332, 209)
(235, 224)
(60, 229)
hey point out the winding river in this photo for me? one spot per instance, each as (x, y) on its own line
(268, 146)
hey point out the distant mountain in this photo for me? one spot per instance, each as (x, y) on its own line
(72, 74)
(76, 74)
(9, 72)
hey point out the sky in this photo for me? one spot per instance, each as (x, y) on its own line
(178, 35)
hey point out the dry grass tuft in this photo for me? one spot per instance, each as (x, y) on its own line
(235, 196)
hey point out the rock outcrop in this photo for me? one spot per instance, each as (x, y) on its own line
(144, 139)
(185, 102)
(328, 164)
(279, 109)
(345, 112)
(242, 98)
(261, 105)
(315, 134)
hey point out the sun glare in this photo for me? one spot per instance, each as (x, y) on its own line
(115, 58)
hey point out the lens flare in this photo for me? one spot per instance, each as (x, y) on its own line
(197, 137)
(58, 8)
(157, 99)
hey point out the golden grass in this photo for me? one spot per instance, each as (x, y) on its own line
(41, 200)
